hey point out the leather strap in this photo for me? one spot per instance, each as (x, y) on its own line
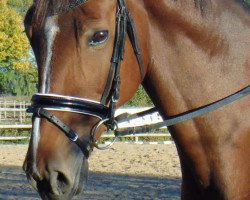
(116, 57)
(124, 117)
(85, 146)
(124, 25)
(81, 106)
(183, 116)
(135, 43)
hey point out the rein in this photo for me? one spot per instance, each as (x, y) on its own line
(176, 119)
(105, 109)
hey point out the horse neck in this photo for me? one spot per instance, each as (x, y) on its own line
(192, 53)
(196, 58)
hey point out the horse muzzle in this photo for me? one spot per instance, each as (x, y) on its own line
(55, 183)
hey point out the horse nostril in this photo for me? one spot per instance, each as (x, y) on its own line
(59, 183)
(62, 182)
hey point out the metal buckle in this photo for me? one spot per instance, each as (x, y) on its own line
(93, 134)
(73, 139)
(114, 99)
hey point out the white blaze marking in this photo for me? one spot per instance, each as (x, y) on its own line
(35, 136)
(50, 30)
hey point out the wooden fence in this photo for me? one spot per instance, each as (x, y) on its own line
(14, 112)
(13, 116)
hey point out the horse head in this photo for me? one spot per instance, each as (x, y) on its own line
(79, 47)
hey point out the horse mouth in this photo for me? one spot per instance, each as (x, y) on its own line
(59, 189)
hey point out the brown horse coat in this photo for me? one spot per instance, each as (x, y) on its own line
(195, 53)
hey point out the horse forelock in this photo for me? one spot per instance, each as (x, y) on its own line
(44, 8)
(202, 5)
(40, 11)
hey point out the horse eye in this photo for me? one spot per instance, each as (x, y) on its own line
(99, 37)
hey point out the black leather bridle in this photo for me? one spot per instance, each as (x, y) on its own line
(105, 109)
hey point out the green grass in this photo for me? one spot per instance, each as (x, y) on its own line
(14, 133)
(17, 142)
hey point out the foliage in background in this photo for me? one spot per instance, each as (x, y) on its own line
(140, 99)
(18, 83)
(14, 46)
(18, 75)
(21, 6)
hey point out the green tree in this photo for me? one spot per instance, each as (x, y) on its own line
(14, 46)
(18, 83)
(21, 6)
(18, 75)
(140, 99)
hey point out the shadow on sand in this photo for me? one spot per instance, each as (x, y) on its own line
(101, 186)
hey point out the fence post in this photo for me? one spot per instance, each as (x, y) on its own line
(20, 113)
(24, 112)
(5, 113)
(14, 105)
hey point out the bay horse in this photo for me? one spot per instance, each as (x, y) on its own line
(186, 54)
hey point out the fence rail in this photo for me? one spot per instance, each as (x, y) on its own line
(135, 137)
(13, 116)
(16, 126)
(14, 112)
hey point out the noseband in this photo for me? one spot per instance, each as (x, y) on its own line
(105, 109)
